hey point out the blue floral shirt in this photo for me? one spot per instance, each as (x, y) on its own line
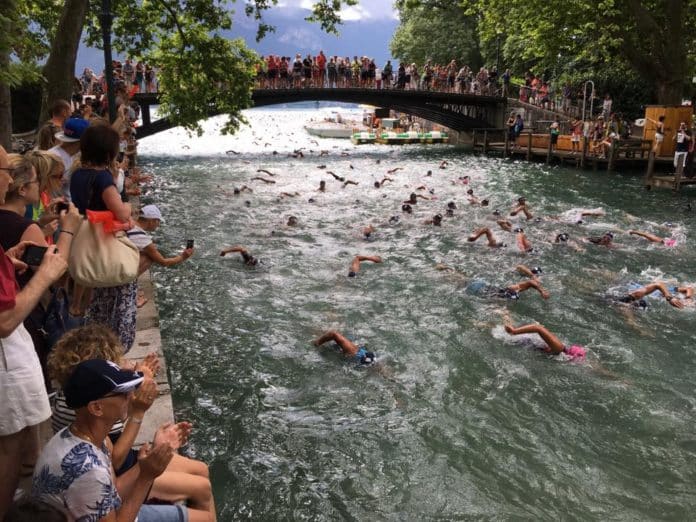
(76, 476)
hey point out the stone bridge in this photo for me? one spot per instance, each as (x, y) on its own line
(459, 112)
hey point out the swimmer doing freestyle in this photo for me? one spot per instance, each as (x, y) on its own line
(667, 241)
(355, 264)
(248, 259)
(636, 298)
(348, 348)
(553, 344)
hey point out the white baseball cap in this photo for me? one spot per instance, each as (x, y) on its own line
(151, 212)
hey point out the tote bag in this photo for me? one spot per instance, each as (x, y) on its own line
(99, 259)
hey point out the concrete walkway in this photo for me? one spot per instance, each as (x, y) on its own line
(147, 339)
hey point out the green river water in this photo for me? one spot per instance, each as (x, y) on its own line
(459, 421)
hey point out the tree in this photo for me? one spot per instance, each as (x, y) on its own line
(440, 31)
(652, 36)
(21, 45)
(199, 64)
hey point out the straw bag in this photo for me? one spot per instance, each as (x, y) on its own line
(99, 259)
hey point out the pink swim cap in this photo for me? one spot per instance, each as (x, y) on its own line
(575, 352)
(669, 241)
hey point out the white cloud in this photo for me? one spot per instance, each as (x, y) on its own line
(365, 10)
(300, 38)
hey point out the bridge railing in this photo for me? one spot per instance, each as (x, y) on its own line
(323, 83)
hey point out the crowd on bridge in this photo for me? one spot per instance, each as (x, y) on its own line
(320, 71)
(73, 244)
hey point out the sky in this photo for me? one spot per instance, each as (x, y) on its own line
(367, 30)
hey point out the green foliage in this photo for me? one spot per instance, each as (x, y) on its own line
(210, 69)
(24, 38)
(654, 37)
(439, 31)
(182, 37)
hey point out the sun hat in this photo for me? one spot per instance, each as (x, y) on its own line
(72, 130)
(95, 378)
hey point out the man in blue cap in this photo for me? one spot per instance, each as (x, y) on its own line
(68, 148)
(75, 473)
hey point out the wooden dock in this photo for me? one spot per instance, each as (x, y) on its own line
(632, 155)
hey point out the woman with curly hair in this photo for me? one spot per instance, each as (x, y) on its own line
(184, 479)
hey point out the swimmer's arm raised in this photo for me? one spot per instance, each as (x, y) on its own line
(349, 348)
(524, 270)
(236, 248)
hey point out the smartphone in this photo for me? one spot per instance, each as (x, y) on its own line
(33, 255)
(189, 244)
(61, 206)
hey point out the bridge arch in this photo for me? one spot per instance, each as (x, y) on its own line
(456, 111)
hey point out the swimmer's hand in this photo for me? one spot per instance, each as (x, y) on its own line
(676, 303)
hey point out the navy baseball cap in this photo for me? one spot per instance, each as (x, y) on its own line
(93, 379)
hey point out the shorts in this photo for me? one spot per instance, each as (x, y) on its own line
(162, 513)
(659, 138)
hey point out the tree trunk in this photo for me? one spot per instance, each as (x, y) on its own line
(669, 92)
(59, 71)
(6, 6)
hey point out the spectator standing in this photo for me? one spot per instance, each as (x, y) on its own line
(25, 402)
(93, 187)
(46, 137)
(606, 107)
(68, 148)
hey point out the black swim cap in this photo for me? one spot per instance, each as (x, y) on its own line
(451, 205)
(562, 238)
(484, 202)
(496, 212)
(310, 200)
(450, 212)
(406, 208)
(518, 230)
(536, 270)
(642, 304)
(394, 219)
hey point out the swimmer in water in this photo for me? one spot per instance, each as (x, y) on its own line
(379, 184)
(368, 231)
(522, 242)
(636, 298)
(322, 186)
(248, 259)
(267, 181)
(492, 241)
(435, 221)
(355, 264)
(606, 240)
(481, 288)
(667, 241)
(413, 198)
(522, 207)
(407, 208)
(443, 165)
(349, 349)
(292, 221)
(553, 344)
(532, 273)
